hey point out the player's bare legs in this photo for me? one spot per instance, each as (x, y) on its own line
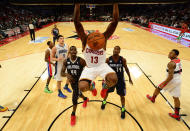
(174, 70)
(110, 81)
(87, 85)
(176, 109)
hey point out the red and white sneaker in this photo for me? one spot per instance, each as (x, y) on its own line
(94, 92)
(85, 103)
(175, 116)
(150, 98)
(73, 120)
(103, 92)
(92, 86)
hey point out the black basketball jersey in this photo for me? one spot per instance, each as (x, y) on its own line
(74, 68)
(117, 67)
(55, 32)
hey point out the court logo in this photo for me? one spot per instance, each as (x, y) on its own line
(39, 40)
(113, 37)
(128, 29)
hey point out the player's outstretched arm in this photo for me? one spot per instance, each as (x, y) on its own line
(78, 26)
(112, 26)
(127, 70)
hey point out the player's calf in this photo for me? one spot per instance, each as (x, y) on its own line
(110, 81)
(84, 86)
(87, 86)
(123, 106)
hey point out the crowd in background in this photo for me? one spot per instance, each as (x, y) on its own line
(170, 15)
(16, 20)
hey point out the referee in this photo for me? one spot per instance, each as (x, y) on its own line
(55, 33)
(31, 30)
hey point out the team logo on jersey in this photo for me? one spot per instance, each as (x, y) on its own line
(88, 50)
(113, 37)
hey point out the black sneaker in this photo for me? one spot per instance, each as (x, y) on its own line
(122, 113)
(103, 105)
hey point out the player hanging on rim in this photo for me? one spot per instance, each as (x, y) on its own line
(117, 63)
(172, 84)
(49, 61)
(74, 66)
(95, 59)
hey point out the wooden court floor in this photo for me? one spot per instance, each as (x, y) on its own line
(23, 77)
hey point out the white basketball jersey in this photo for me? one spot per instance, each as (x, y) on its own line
(94, 58)
(178, 69)
(61, 51)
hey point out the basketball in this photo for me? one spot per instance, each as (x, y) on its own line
(96, 40)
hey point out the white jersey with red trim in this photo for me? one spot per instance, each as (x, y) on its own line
(178, 69)
(94, 58)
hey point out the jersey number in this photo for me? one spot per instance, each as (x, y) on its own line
(94, 59)
(119, 69)
(73, 72)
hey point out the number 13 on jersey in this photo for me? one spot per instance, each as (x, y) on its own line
(94, 59)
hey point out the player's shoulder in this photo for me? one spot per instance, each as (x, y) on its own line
(110, 57)
(66, 45)
(54, 48)
(171, 64)
(123, 59)
(47, 50)
(80, 58)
